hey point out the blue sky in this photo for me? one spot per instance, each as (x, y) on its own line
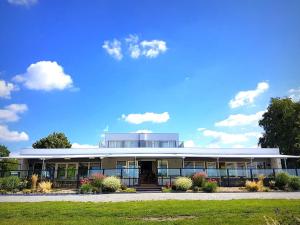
(205, 69)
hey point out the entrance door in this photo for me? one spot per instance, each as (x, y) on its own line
(146, 173)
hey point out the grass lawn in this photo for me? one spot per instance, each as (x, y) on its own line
(147, 212)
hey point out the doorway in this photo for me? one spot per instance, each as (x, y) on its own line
(147, 176)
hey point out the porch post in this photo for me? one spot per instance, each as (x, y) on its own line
(43, 168)
(285, 163)
(218, 169)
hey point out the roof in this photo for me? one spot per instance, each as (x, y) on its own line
(152, 152)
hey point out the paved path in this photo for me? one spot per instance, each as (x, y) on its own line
(151, 196)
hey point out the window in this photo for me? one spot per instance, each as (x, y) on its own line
(95, 168)
(83, 169)
(133, 171)
(211, 169)
(61, 171)
(162, 168)
(131, 144)
(71, 171)
(120, 165)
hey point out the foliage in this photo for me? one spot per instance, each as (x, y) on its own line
(123, 186)
(45, 186)
(251, 186)
(10, 183)
(281, 123)
(282, 180)
(183, 183)
(54, 140)
(294, 183)
(166, 190)
(4, 152)
(23, 184)
(196, 188)
(272, 184)
(282, 218)
(7, 164)
(111, 184)
(34, 179)
(129, 190)
(85, 181)
(26, 191)
(210, 186)
(97, 180)
(199, 179)
(3, 192)
(86, 188)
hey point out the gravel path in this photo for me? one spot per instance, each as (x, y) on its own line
(151, 196)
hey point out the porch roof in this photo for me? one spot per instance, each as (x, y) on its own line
(151, 153)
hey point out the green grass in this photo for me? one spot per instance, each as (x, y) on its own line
(146, 212)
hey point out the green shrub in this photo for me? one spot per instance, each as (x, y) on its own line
(282, 180)
(111, 184)
(199, 179)
(183, 183)
(97, 180)
(10, 183)
(294, 183)
(86, 188)
(166, 190)
(210, 186)
(129, 190)
(2, 192)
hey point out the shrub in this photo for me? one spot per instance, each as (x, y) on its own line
(111, 184)
(86, 188)
(272, 184)
(281, 180)
(196, 189)
(130, 190)
(199, 179)
(85, 181)
(166, 190)
(23, 184)
(34, 179)
(123, 186)
(97, 180)
(294, 183)
(10, 183)
(45, 186)
(2, 192)
(26, 191)
(251, 186)
(210, 186)
(183, 183)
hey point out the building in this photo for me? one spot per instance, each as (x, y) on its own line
(151, 158)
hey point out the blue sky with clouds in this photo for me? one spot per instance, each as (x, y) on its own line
(205, 69)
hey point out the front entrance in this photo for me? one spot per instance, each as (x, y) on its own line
(147, 175)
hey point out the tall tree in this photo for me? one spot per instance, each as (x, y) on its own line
(54, 140)
(281, 123)
(7, 164)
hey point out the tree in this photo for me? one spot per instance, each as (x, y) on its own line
(54, 140)
(281, 124)
(7, 164)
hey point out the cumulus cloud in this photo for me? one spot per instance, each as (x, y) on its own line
(189, 144)
(113, 48)
(146, 117)
(143, 131)
(22, 2)
(229, 138)
(12, 136)
(77, 145)
(11, 112)
(247, 97)
(152, 49)
(45, 75)
(6, 88)
(295, 94)
(241, 120)
(134, 48)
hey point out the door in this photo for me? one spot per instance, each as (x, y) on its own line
(146, 173)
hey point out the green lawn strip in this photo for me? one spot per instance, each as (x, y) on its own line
(145, 212)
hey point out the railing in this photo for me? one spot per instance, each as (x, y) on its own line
(163, 176)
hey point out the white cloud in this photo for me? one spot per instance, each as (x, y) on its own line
(6, 88)
(240, 120)
(22, 2)
(146, 117)
(152, 49)
(201, 129)
(248, 97)
(113, 48)
(11, 112)
(229, 138)
(143, 131)
(134, 48)
(12, 136)
(295, 94)
(45, 75)
(189, 144)
(77, 145)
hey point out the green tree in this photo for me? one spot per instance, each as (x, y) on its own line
(54, 140)
(7, 164)
(281, 124)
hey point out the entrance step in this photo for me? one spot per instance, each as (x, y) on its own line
(148, 188)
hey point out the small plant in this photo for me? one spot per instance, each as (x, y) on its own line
(97, 180)
(10, 183)
(183, 183)
(123, 187)
(3, 192)
(282, 180)
(199, 179)
(129, 190)
(294, 183)
(166, 190)
(85, 181)
(111, 184)
(26, 191)
(272, 184)
(196, 189)
(210, 186)
(45, 186)
(86, 188)
(34, 179)
(168, 185)
(23, 184)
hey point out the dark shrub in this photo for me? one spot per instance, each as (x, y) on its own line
(282, 180)
(294, 183)
(10, 183)
(196, 189)
(272, 184)
(210, 186)
(199, 179)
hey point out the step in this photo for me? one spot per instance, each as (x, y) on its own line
(148, 189)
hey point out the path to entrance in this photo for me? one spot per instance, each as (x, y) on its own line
(151, 196)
